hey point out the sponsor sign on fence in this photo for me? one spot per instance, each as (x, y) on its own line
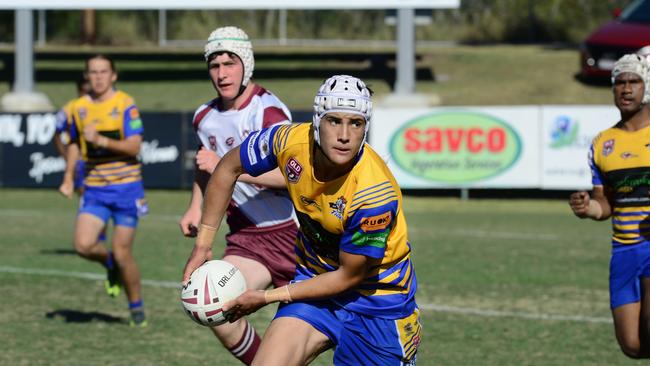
(462, 147)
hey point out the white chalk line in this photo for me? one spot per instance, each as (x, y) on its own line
(425, 306)
(471, 233)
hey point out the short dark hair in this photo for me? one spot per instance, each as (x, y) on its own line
(101, 56)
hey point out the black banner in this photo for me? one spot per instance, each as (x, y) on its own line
(28, 157)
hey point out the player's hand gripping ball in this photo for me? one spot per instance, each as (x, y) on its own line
(211, 286)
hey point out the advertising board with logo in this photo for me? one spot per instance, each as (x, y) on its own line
(28, 157)
(567, 132)
(459, 147)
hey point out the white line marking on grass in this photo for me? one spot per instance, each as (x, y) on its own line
(430, 307)
(84, 275)
(18, 212)
(513, 314)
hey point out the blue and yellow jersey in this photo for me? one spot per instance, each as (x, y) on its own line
(359, 213)
(620, 161)
(117, 118)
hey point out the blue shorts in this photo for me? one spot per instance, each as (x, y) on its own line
(124, 212)
(360, 340)
(626, 268)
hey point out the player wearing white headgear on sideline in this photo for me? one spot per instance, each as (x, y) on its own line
(260, 216)
(620, 164)
(354, 287)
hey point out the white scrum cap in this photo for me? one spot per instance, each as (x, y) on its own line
(634, 64)
(233, 40)
(342, 93)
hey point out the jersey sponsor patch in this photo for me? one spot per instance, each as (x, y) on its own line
(134, 114)
(265, 145)
(338, 207)
(135, 124)
(250, 150)
(115, 114)
(377, 240)
(608, 147)
(374, 223)
(293, 170)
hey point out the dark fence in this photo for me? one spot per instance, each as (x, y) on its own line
(28, 157)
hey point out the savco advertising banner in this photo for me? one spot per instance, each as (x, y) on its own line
(451, 147)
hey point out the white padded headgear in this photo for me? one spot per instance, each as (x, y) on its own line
(342, 93)
(233, 40)
(634, 64)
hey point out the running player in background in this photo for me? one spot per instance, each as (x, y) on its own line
(106, 131)
(260, 215)
(61, 139)
(355, 285)
(620, 166)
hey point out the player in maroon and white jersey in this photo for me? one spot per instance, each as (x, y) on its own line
(260, 216)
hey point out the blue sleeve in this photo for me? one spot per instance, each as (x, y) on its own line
(61, 121)
(366, 232)
(132, 122)
(256, 152)
(596, 175)
(72, 129)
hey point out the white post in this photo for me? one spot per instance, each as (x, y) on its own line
(162, 27)
(23, 98)
(405, 78)
(282, 26)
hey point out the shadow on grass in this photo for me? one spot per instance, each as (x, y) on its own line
(58, 251)
(75, 316)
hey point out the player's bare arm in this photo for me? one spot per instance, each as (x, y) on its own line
(353, 269)
(190, 220)
(217, 197)
(67, 186)
(596, 207)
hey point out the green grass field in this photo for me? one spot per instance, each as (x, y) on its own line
(501, 282)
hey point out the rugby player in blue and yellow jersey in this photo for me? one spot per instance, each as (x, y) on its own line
(106, 130)
(355, 285)
(620, 165)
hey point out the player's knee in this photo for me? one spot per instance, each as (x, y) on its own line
(83, 248)
(631, 348)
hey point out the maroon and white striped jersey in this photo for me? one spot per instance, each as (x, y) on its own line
(251, 206)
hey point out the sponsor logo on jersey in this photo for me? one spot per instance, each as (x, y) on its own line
(627, 155)
(293, 169)
(378, 222)
(230, 141)
(265, 144)
(309, 202)
(115, 114)
(135, 124)
(338, 207)
(134, 114)
(213, 142)
(83, 112)
(608, 147)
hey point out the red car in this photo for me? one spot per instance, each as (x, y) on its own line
(628, 33)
